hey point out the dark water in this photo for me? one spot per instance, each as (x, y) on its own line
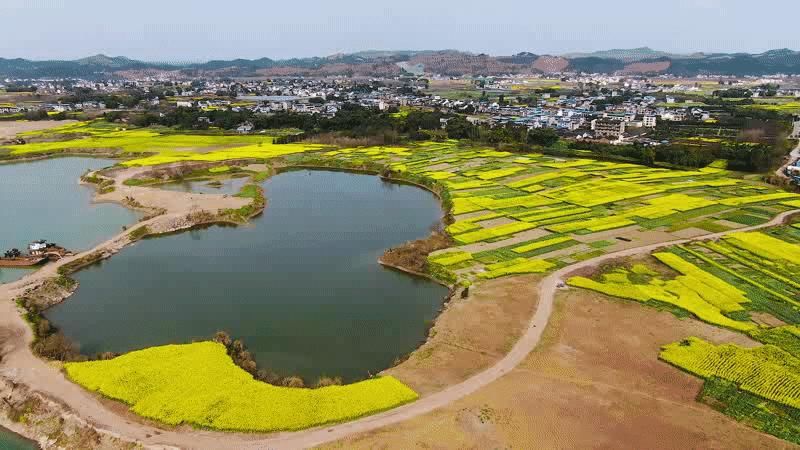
(43, 200)
(230, 186)
(11, 441)
(301, 285)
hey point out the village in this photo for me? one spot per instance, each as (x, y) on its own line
(610, 108)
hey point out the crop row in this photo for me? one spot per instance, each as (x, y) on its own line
(767, 371)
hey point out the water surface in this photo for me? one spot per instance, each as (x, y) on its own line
(13, 441)
(44, 200)
(301, 285)
(229, 186)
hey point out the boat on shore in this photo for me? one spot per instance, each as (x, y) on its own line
(39, 252)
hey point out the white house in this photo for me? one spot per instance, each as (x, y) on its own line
(37, 247)
(245, 128)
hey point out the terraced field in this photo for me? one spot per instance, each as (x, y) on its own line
(511, 213)
(530, 213)
(745, 282)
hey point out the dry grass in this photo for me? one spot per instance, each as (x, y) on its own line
(413, 255)
(594, 382)
(471, 334)
(10, 129)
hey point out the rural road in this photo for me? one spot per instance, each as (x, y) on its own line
(20, 365)
(794, 155)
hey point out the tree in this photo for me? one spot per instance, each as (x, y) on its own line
(43, 327)
(423, 120)
(648, 156)
(268, 376)
(56, 346)
(545, 137)
(293, 382)
(328, 381)
(459, 128)
(223, 338)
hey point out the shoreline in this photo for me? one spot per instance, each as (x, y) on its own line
(117, 243)
(6, 430)
(103, 419)
(414, 273)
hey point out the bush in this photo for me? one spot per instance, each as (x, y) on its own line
(328, 381)
(139, 233)
(293, 382)
(56, 346)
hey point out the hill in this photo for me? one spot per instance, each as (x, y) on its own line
(443, 62)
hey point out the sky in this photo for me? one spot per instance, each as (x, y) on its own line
(200, 30)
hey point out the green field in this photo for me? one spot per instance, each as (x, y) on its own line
(511, 214)
(744, 282)
(153, 146)
(784, 105)
(530, 197)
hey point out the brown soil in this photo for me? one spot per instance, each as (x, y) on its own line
(643, 67)
(24, 261)
(594, 382)
(10, 129)
(471, 334)
(550, 64)
(766, 319)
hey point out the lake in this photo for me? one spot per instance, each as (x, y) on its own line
(43, 200)
(301, 285)
(12, 441)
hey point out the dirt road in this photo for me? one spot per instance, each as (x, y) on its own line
(20, 365)
(794, 155)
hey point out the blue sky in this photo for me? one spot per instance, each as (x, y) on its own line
(196, 30)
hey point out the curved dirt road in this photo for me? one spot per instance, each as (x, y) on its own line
(794, 155)
(20, 365)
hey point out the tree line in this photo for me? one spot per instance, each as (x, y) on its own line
(355, 121)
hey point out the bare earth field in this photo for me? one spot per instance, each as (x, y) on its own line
(595, 381)
(459, 344)
(10, 129)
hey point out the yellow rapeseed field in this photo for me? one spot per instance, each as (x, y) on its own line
(199, 384)
(767, 371)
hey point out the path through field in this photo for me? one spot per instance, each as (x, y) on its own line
(21, 365)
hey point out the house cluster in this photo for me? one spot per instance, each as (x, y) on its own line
(578, 115)
(627, 109)
(25, 107)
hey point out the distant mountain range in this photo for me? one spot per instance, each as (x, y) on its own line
(445, 62)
